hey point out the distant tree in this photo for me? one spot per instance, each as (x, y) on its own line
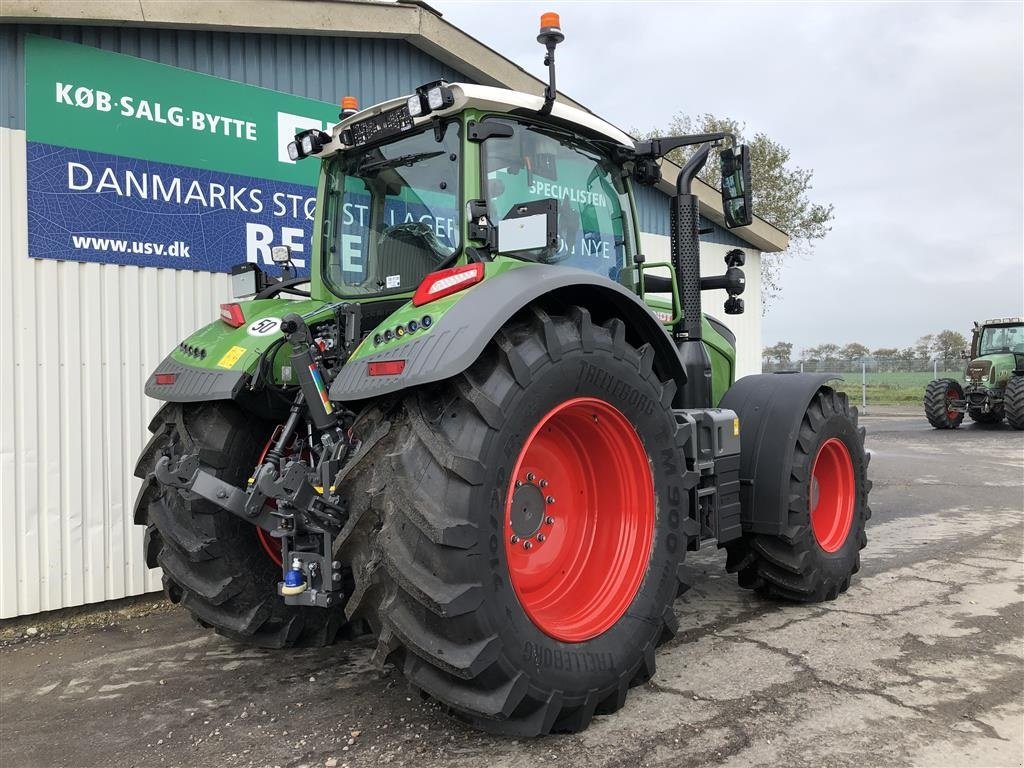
(885, 352)
(827, 351)
(923, 346)
(781, 190)
(780, 352)
(853, 351)
(948, 344)
(907, 353)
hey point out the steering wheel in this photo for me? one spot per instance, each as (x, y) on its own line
(420, 231)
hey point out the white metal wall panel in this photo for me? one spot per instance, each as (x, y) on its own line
(747, 326)
(79, 341)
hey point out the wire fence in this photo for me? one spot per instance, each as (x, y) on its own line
(878, 381)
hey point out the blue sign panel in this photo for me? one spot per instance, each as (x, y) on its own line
(90, 206)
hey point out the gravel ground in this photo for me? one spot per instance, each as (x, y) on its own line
(920, 663)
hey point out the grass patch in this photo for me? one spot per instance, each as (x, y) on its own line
(898, 388)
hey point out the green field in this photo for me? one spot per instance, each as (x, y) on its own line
(895, 388)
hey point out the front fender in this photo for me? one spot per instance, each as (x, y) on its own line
(458, 336)
(770, 407)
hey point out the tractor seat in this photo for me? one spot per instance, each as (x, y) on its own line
(411, 251)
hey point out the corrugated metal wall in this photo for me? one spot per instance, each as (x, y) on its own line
(652, 209)
(80, 339)
(78, 343)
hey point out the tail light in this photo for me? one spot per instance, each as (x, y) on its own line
(165, 379)
(232, 315)
(386, 368)
(437, 285)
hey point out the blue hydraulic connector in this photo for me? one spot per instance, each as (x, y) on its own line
(294, 579)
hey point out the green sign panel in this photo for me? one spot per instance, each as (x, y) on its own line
(106, 102)
(137, 163)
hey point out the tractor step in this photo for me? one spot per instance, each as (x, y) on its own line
(711, 447)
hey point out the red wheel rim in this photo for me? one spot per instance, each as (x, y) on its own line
(579, 519)
(271, 547)
(951, 394)
(833, 494)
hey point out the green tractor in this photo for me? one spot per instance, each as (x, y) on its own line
(477, 433)
(993, 382)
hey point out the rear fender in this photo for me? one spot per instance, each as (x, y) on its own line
(459, 336)
(770, 407)
(217, 361)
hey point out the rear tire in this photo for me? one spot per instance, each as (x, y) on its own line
(1013, 401)
(937, 397)
(212, 560)
(431, 550)
(819, 552)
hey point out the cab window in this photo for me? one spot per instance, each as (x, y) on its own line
(538, 163)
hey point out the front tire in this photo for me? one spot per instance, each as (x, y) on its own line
(517, 636)
(213, 562)
(819, 551)
(938, 396)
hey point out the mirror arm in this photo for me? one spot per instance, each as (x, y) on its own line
(662, 146)
(689, 171)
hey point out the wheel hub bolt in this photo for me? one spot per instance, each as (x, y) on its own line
(515, 539)
(543, 483)
(527, 544)
(530, 476)
(541, 537)
(550, 499)
(519, 483)
(549, 520)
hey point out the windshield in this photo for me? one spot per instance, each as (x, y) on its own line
(996, 340)
(392, 213)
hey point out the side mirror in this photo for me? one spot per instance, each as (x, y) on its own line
(529, 226)
(736, 191)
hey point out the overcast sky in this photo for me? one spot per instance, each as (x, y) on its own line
(910, 114)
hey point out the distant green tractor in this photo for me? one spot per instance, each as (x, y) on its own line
(994, 380)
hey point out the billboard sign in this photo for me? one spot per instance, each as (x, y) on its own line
(134, 162)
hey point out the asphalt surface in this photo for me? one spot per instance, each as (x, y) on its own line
(920, 663)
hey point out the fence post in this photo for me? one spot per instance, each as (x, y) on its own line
(801, 366)
(864, 386)
(935, 369)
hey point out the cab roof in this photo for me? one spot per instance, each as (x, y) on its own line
(488, 98)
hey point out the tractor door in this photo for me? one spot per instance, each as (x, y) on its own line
(538, 163)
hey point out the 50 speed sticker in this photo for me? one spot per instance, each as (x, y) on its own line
(265, 326)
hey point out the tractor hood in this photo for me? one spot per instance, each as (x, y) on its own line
(218, 360)
(990, 370)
